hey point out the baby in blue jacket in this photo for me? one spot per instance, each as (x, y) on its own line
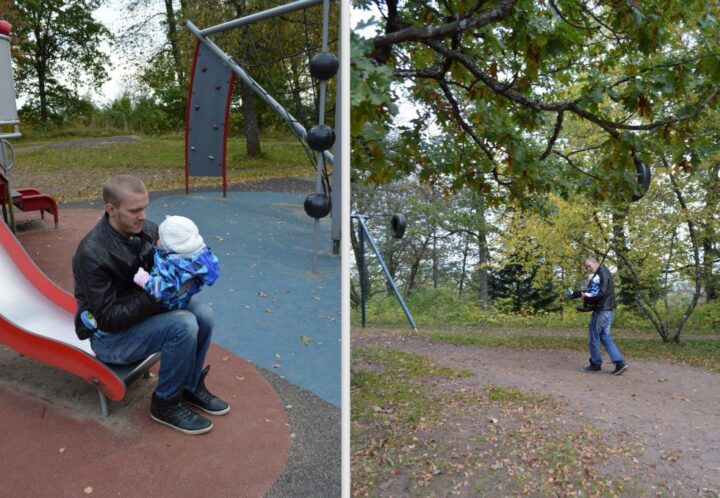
(183, 264)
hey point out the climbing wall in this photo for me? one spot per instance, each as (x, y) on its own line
(207, 116)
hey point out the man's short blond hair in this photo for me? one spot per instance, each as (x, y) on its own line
(118, 185)
(590, 259)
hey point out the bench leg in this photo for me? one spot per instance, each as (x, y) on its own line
(103, 404)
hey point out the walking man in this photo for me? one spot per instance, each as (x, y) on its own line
(603, 305)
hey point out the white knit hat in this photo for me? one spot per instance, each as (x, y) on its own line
(180, 235)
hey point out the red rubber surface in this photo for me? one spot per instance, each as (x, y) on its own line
(50, 449)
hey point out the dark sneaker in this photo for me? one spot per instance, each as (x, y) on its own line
(204, 399)
(620, 367)
(591, 368)
(173, 413)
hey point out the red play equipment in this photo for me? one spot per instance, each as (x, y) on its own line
(37, 320)
(25, 199)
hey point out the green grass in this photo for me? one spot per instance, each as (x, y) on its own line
(442, 307)
(703, 353)
(77, 173)
(503, 394)
(375, 390)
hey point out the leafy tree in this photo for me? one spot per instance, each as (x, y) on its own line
(58, 50)
(512, 284)
(508, 81)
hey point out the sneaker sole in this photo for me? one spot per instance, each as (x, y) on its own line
(222, 412)
(185, 431)
(582, 369)
(622, 370)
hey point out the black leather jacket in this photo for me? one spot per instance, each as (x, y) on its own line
(103, 269)
(605, 300)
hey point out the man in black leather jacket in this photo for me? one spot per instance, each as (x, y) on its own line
(124, 323)
(603, 305)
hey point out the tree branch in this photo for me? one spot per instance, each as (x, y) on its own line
(553, 138)
(610, 127)
(417, 33)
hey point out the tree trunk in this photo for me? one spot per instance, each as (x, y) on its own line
(464, 265)
(251, 125)
(647, 307)
(483, 273)
(41, 71)
(355, 243)
(252, 129)
(710, 255)
(698, 274)
(483, 259)
(434, 262)
(625, 286)
(172, 35)
(710, 237)
(42, 90)
(415, 267)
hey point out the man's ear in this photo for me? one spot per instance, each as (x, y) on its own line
(110, 209)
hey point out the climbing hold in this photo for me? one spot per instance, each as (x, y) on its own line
(212, 158)
(323, 66)
(197, 107)
(398, 225)
(192, 147)
(215, 126)
(320, 137)
(203, 69)
(317, 205)
(218, 86)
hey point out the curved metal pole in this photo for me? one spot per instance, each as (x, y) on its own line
(261, 16)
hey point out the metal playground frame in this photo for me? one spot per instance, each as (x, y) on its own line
(208, 108)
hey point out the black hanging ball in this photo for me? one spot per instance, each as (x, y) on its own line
(323, 66)
(644, 176)
(317, 205)
(398, 224)
(320, 137)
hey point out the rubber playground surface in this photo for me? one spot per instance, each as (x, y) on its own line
(270, 307)
(275, 358)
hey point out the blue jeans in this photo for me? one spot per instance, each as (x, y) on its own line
(600, 334)
(182, 337)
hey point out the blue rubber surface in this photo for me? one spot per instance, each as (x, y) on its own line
(270, 308)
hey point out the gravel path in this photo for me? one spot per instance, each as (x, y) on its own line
(675, 410)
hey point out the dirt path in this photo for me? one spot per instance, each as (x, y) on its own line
(674, 410)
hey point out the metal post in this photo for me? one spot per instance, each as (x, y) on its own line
(321, 120)
(362, 271)
(261, 16)
(390, 280)
(336, 191)
(7, 158)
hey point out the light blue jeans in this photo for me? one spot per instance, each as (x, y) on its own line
(599, 333)
(182, 337)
